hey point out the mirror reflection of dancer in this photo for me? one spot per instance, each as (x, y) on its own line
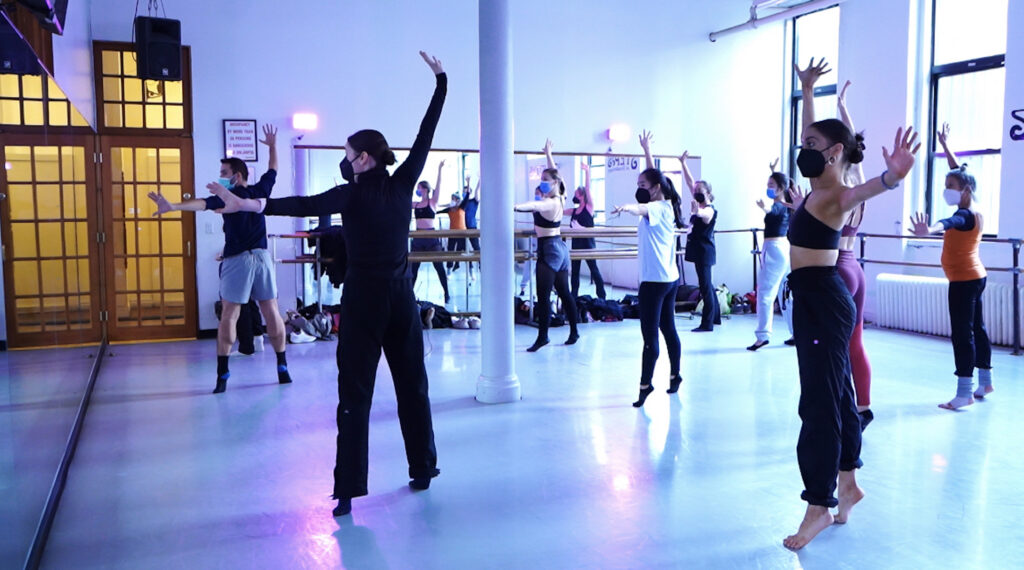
(552, 254)
(378, 309)
(470, 205)
(456, 221)
(824, 316)
(961, 237)
(247, 270)
(425, 211)
(659, 209)
(582, 216)
(774, 258)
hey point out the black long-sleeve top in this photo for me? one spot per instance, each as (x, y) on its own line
(374, 208)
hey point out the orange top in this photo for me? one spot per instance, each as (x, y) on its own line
(456, 219)
(960, 258)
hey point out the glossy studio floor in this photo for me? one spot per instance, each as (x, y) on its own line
(169, 476)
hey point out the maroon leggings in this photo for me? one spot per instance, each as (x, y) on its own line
(853, 275)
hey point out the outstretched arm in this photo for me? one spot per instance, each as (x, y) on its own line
(163, 206)
(687, 175)
(645, 141)
(635, 209)
(856, 171)
(547, 154)
(807, 79)
(898, 165)
(951, 159)
(410, 170)
(329, 202)
(920, 228)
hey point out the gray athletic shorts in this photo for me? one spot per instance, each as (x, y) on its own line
(249, 274)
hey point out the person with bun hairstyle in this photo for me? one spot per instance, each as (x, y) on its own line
(425, 210)
(378, 309)
(552, 254)
(824, 313)
(700, 245)
(961, 237)
(658, 206)
(775, 257)
(582, 216)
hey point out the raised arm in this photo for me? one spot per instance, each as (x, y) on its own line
(687, 175)
(588, 203)
(270, 139)
(410, 170)
(807, 79)
(856, 172)
(436, 194)
(645, 142)
(951, 159)
(898, 165)
(547, 154)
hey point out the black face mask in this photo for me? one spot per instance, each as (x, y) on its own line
(576, 201)
(811, 162)
(699, 197)
(642, 195)
(346, 170)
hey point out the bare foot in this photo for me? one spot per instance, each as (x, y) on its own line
(983, 391)
(957, 403)
(816, 520)
(849, 495)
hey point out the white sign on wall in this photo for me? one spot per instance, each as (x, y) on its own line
(240, 139)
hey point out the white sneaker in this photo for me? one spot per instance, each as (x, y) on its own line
(460, 323)
(258, 343)
(474, 322)
(300, 338)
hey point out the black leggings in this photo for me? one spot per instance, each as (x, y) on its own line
(455, 244)
(712, 313)
(824, 315)
(380, 314)
(595, 274)
(657, 311)
(971, 347)
(546, 279)
(439, 268)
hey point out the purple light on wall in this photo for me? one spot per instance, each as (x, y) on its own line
(305, 121)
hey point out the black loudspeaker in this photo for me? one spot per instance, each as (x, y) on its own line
(16, 56)
(158, 47)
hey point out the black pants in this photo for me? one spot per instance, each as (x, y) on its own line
(430, 244)
(456, 244)
(657, 312)
(375, 315)
(824, 316)
(595, 272)
(546, 279)
(712, 313)
(971, 347)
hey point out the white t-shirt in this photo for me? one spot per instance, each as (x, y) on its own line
(657, 243)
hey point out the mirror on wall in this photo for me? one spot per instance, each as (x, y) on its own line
(50, 326)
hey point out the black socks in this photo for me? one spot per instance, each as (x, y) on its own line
(644, 392)
(222, 374)
(282, 369)
(541, 341)
(423, 483)
(344, 507)
(673, 384)
(574, 335)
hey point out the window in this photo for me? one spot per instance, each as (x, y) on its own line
(815, 35)
(967, 91)
(36, 100)
(133, 103)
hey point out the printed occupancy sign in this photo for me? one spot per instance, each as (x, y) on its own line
(240, 139)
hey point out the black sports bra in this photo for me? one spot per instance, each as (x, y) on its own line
(542, 222)
(424, 213)
(807, 231)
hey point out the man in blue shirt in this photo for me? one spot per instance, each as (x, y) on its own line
(248, 269)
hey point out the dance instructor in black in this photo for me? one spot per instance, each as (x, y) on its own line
(378, 309)
(824, 314)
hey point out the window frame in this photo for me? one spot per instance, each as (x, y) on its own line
(797, 96)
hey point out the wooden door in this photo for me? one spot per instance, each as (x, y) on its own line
(50, 254)
(151, 285)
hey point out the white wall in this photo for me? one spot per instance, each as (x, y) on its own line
(355, 64)
(72, 59)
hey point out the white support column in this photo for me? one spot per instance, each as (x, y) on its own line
(498, 382)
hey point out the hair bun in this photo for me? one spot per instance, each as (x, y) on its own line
(389, 158)
(859, 137)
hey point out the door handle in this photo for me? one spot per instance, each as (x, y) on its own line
(187, 196)
(189, 248)
(3, 196)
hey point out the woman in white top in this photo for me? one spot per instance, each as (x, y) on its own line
(552, 254)
(658, 207)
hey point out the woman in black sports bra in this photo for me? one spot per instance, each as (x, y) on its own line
(425, 211)
(824, 312)
(552, 254)
(582, 216)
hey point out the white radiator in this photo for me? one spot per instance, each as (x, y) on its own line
(920, 304)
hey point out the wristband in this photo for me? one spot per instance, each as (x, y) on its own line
(886, 184)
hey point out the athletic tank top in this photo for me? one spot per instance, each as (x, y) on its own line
(583, 217)
(424, 213)
(456, 218)
(960, 260)
(776, 222)
(542, 222)
(850, 231)
(807, 231)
